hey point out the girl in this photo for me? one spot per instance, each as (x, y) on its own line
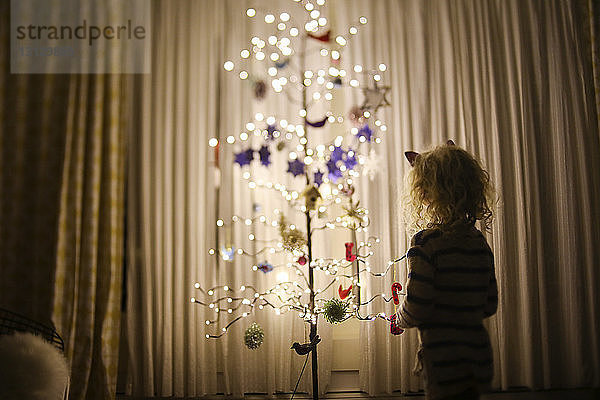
(451, 284)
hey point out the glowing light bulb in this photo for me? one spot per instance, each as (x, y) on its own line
(251, 12)
(282, 276)
(228, 65)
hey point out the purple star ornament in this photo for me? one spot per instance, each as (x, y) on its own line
(244, 157)
(337, 154)
(271, 131)
(366, 132)
(318, 178)
(350, 161)
(296, 167)
(334, 172)
(264, 154)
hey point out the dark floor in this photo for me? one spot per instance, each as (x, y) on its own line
(573, 394)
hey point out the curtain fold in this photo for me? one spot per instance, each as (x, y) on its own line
(62, 169)
(169, 203)
(87, 295)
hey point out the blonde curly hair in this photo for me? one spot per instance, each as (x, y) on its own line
(447, 187)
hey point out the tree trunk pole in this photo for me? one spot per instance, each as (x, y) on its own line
(311, 278)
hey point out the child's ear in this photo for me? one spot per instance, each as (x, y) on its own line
(411, 156)
(450, 143)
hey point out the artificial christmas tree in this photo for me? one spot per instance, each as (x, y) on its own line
(301, 62)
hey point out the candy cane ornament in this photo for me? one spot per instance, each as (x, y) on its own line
(394, 328)
(396, 288)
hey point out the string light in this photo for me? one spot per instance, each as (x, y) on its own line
(295, 295)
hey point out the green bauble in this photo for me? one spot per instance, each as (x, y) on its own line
(334, 311)
(254, 336)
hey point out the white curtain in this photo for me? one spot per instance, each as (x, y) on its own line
(510, 81)
(174, 203)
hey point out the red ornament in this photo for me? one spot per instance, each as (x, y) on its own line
(325, 37)
(344, 292)
(394, 328)
(396, 288)
(302, 260)
(349, 256)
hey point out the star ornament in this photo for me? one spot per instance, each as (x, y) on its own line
(244, 157)
(334, 172)
(365, 132)
(318, 180)
(354, 214)
(270, 131)
(371, 165)
(375, 97)
(337, 154)
(350, 161)
(296, 167)
(264, 154)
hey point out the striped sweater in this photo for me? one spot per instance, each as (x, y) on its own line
(451, 288)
